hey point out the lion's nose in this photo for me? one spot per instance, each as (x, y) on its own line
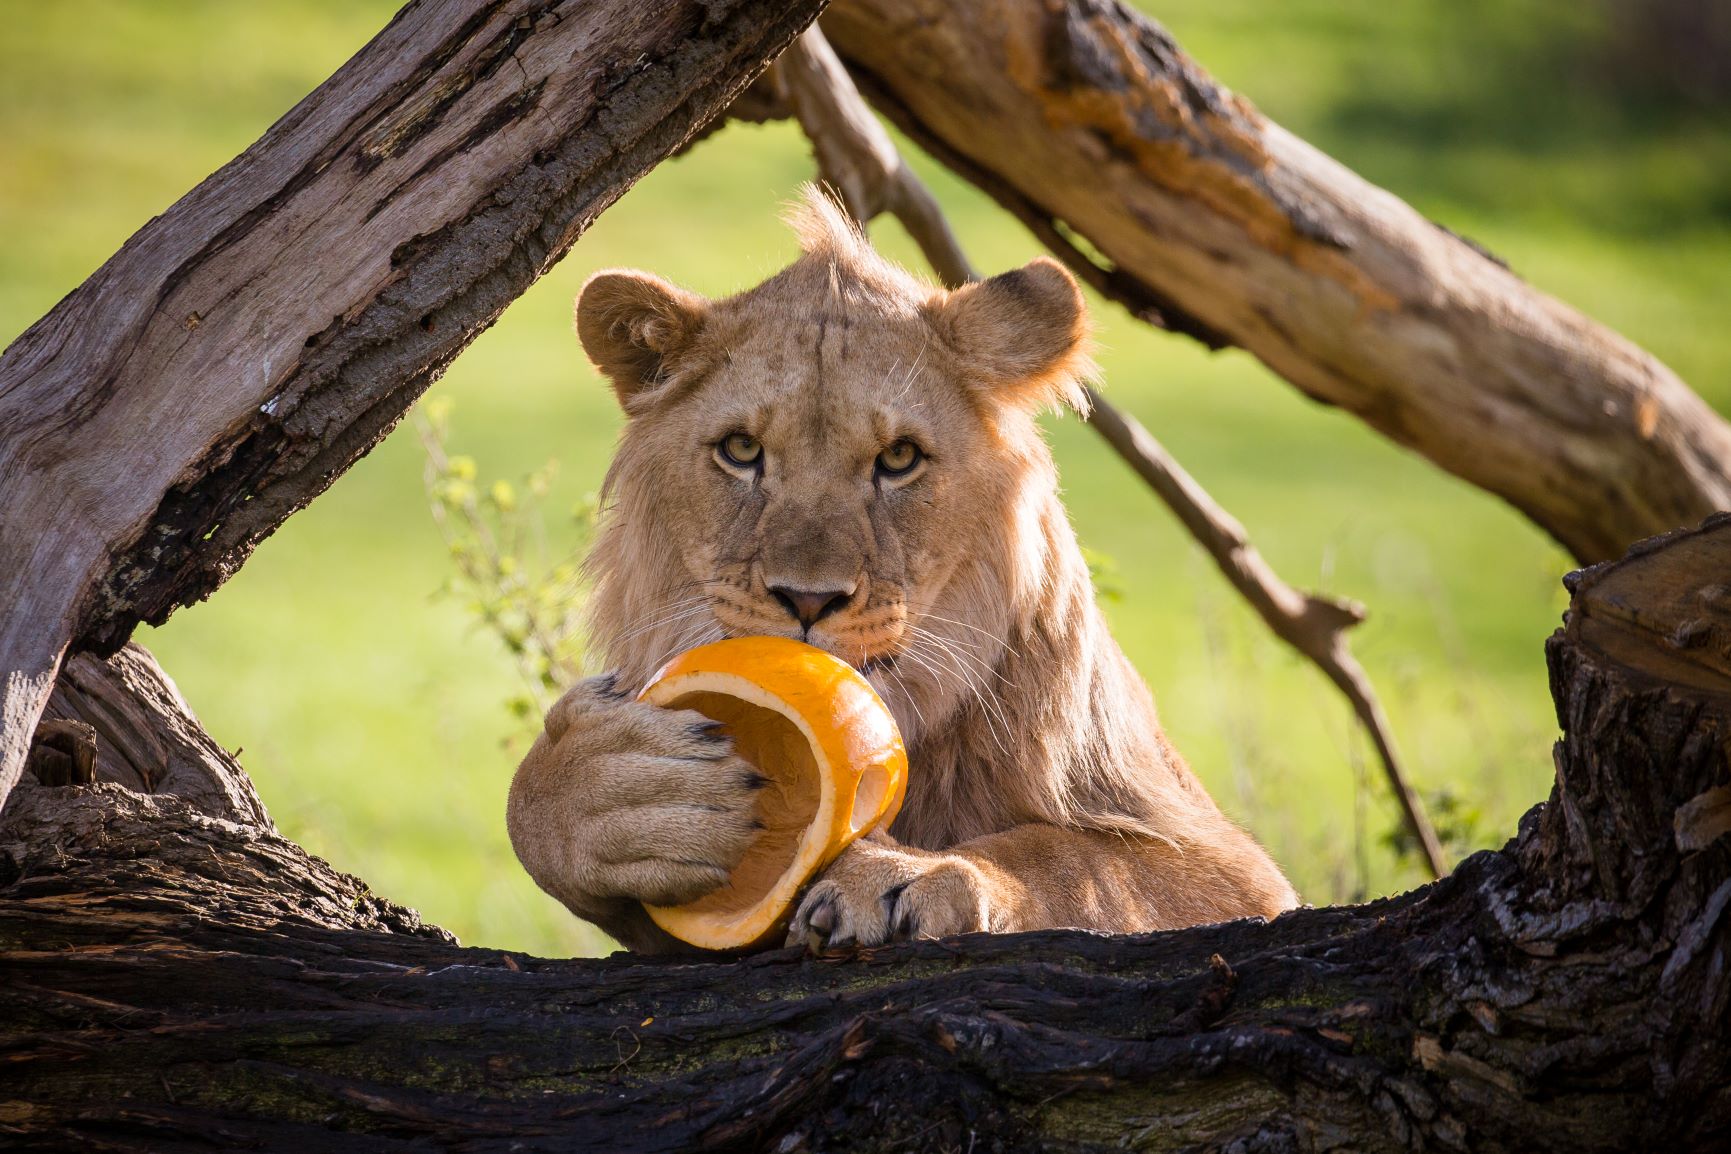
(809, 606)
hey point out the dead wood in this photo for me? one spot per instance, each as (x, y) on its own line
(139, 733)
(1176, 197)
(246, 346)
(174, 981)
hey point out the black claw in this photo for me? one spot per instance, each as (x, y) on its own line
(822, 917)
(715, 735)
(757, 825)
(903, 922)
(607, 685)
(754, 779)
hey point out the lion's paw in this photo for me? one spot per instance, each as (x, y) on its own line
(623, 800)
(874, 893)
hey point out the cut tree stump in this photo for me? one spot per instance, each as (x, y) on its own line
(171, 980)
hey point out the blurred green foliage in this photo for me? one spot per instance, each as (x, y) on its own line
(369, 705)
(498, 535)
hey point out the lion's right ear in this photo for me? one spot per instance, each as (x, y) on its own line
(637, 328)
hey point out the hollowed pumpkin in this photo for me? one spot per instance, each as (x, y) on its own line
(836, 767)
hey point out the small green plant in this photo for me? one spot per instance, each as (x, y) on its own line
(1460, 825)
(509, 577)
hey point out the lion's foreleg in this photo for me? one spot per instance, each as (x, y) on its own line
(1039, 876)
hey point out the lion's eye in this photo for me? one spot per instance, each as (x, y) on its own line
(899, 459)
(741, 450)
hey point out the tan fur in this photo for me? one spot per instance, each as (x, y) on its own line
(1042, 791)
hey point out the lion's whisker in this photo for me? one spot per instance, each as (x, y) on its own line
(987, 633)
(908, 381)
(974, 646)
(900, 685)
(698, 633)
(989, 705)
(922, 648)
(892, 371)
(679, 611)
(907, 694)
(948, 643)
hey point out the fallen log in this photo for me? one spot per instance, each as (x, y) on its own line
(173, 980)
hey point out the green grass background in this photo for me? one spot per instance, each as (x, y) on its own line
(372, 713)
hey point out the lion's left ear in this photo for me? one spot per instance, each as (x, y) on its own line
(1023, 334)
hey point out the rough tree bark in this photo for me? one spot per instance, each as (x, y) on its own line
(175, 975)
(173, 980)
(248, 345)
(1086, 120)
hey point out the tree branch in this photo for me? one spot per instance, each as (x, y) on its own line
(1087, 121)
(249, 344)
(1316, 626)
(856, 157)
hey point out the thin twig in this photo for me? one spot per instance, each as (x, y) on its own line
(1315, 626)
(856, 157)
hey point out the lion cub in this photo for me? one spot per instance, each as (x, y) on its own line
(847, 455)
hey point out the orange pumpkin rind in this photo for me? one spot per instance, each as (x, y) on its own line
(813, 726)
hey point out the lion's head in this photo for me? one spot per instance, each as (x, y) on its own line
(842, 454)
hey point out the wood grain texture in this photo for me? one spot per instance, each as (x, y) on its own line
(171, 981)
(146, 737)
(1086, 120)
(248, 345)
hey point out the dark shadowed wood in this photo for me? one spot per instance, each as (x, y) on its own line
(171, 981)
(248, 345)
(174, 975)
(1086, 120)
(63, 752)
